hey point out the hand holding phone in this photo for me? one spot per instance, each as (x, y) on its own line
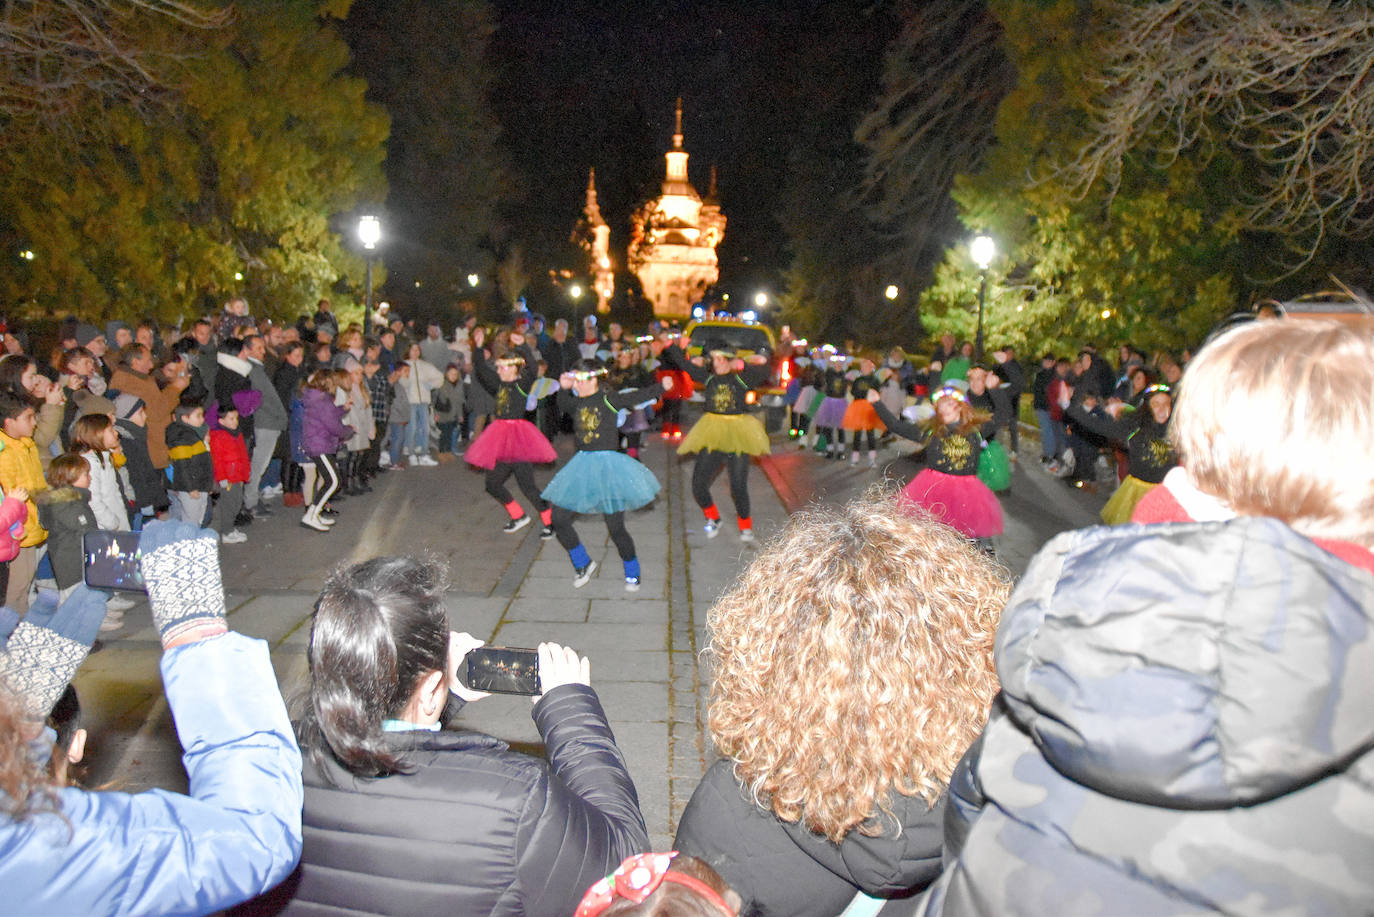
(561, 665)
(459, 646)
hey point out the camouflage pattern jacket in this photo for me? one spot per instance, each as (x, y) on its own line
(1186, 727)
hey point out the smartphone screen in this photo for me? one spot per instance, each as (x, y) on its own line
(111, 561)
(502, 670)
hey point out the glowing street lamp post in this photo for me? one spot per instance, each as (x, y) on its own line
(369, 233)
(982, 249)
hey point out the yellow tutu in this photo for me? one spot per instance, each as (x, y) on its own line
(742, 433)
(1119, 508)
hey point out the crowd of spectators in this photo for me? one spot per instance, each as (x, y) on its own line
(1162, 718)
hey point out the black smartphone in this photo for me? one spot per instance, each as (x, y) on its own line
(502, 670)
(111, 561)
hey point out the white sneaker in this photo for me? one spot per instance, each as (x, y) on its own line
(384, 460)
(312, 521)
(233, 537)
(118, 603)
(711, 528)
(426, 459)
(113, 621)
(746, 535)
(272, 491)
(584, 576)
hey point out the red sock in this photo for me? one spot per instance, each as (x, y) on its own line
(513, 508)
(711, 513)
(546, 516)
(745, 523)
(632, 452)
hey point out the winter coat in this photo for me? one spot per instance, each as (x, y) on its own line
(359, 418)
(400, 403)
(67, 515)
(296, 432)
(1186, 726)
(781, 869)
(107, 500)
(13, 514)
(424, 378)
(322, 428)
(149, 485)
(287, 381)
(474, 828)
(271, 413)
(229, 456)
(157, 402)
(232, 387)
(236, 833)
(192, 468)
(448, 402)
(20, 467)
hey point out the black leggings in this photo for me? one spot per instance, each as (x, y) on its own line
(833, 435)
(872, 436)
(524, 478)
(708, 466)
(672, 412)
(615, 524)
(326, 480)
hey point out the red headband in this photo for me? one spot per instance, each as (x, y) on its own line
(639, 877)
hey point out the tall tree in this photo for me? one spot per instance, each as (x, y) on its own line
(262, 141)
(427, 62)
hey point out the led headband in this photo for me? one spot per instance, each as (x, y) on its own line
(639, 877)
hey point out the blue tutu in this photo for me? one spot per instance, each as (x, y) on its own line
(601, 481)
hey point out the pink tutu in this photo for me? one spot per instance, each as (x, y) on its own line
(510, 441)
(960, 501)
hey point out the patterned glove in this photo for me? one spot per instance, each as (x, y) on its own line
(180, 567)
(43, 652)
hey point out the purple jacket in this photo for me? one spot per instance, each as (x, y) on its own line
(322, 428)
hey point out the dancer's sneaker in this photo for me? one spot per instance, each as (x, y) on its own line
(516, 525)
(631, 584)
(583, 575)
(546, 534)
(711, 528)
(746, 536)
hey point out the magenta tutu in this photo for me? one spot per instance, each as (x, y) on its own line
(962, 502)
(509, 441)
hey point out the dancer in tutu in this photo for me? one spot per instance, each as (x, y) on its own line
(948, 487)
(598, 478)
(860, 417)
(510, 444)
(828, 418)
(726, 435)
(1145, 431)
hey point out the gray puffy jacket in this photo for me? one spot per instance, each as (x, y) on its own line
(1186, 727)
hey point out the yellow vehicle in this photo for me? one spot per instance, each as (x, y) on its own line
(745, 338)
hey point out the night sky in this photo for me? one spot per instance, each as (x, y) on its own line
(586, 84)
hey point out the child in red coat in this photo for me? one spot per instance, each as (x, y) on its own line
(229, 454)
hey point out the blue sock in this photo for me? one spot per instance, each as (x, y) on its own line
(632, 568)
(579, 558)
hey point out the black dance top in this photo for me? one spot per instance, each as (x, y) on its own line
(1146, 442)
(594, 417)
(946, 448)
(835, 384)
(861, 385)
(510, 397)
(726, 393)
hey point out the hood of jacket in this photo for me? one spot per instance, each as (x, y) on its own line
(234, 364)
(1195, 665)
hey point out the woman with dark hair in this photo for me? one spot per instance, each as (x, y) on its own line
(406, 817)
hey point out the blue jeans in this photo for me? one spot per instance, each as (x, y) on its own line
(417, 441)
(396, 440)
(1050, 444)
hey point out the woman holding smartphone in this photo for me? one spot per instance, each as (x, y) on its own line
(404, 816)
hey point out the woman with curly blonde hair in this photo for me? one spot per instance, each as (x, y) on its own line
(852, 668)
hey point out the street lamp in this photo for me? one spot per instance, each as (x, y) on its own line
(891, 291)
(760, 299)
(575, 291)
(369, 233)
(982, 248)
(473, 280)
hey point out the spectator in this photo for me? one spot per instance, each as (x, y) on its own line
(1185, 724)
(236, 832)
(133, 376)
(660, 885)
(836, 764)
(95, 438)
(232, 466)
(325, 320)
(193, 472)
(269, 423)
(20, 468)
(424, 378)
(502, 832)
(65, 511)
(434, 349)
(147, 484)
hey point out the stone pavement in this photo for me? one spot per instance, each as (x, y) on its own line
(507, 589)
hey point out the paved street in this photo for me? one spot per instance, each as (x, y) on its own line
(517, 590)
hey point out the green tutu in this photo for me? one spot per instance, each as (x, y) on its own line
(1119, 508)
(739, 433)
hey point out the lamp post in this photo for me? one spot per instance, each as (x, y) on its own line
(982, 248)
(369, 233)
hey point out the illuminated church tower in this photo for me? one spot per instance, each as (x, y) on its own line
(673, 249)
(603, 278)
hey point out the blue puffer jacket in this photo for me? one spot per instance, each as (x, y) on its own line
(236, 834)
(1186, 727)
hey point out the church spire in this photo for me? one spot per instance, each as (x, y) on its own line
(592, 208)
(677, 132)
